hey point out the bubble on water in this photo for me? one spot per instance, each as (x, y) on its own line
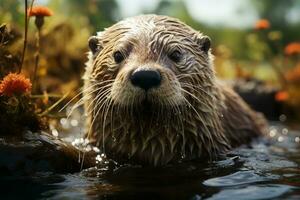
(297, 139)
(86, 141)
(98, 158)
(280, 139)
(285, 131)
(75, 142)
(282, 118)
(96, 149)
(81, 142)
(88, 148)
(273, 132)
(69, 109)
(182, 155)
(54, 132)
(63, 121)
(74, 122)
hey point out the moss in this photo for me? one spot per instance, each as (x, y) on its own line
(18, 114)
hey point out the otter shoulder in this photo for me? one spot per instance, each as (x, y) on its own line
(240, 122)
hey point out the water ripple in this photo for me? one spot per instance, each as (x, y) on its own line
(238, 178)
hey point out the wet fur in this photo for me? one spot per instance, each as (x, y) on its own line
(191, 115)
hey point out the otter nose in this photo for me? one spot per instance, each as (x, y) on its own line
(145, 79)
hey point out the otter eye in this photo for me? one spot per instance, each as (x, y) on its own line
(175, 56)
(118, 56)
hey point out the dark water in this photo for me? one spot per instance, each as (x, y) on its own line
(267, 169)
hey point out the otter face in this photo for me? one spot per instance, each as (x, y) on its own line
(150, 60)
(150, 92)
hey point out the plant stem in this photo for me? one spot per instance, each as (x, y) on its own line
(54, 105)
(280, 74)
(25, 37)
(37, 96)
(25, 33)
(37, 59)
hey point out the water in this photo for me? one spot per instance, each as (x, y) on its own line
(266, 169)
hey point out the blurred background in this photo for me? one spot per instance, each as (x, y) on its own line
(256, 42)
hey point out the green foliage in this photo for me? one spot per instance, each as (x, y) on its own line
(239, 52)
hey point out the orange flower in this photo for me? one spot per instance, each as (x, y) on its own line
(293, 75)
(262, 24)
(41, 11)
(281, 96)
(292, 48)
(15, 84)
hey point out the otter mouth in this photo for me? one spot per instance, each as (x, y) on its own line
(146, 104)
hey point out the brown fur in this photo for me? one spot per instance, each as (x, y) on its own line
(190, 115)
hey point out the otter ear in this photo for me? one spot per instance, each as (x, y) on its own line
(204, 43)
(94, 44)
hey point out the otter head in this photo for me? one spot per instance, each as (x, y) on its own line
(147, 81)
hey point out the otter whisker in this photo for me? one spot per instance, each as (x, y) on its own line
(196, 98)
(81, 100)
(99, 96)
(179, 118)
(77, 104)
(197, 88)
(107, 107)
(96, 112)
(85, 89)
(99, 99)
(207, 131)
(189, 74)
(200, 118)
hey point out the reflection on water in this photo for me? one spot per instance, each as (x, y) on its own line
(267, 169)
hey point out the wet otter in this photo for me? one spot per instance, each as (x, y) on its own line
(151, 95)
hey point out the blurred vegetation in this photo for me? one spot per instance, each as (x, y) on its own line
(240, 53)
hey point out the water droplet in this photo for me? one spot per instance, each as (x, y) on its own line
(273, 132)
(63, 121)
(88, 148)
(182, 155)
(285, 131)
(74, 122)
(280, 139)
(54, 132)
(96, 149)
(282, 118)
(86, 141)
(98, 158)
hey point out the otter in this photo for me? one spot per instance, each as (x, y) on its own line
(151, 95)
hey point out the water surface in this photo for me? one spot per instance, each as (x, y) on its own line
(266, 169)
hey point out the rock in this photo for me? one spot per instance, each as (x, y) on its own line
(259, 96)
(30, 153)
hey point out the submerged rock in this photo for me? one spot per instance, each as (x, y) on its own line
(29, 153)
